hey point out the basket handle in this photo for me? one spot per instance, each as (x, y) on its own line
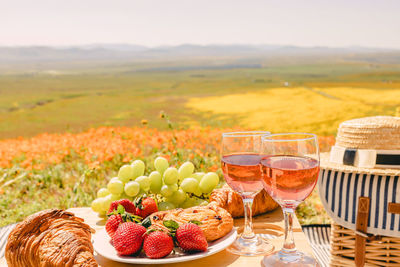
(361, 226)
(394, 208)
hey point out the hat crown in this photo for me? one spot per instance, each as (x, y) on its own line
(379, 133)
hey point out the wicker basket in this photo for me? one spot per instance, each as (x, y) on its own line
(380, 252)
(359, 186)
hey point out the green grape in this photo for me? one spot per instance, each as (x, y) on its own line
(155, 182)
(198, 176)
(141, 192)
(170, 176)
(166, 191)
(138, 168)
(114, 178)
(198, 191)
(203, 203)
(103, 213)
(97, 205)
(125, 196)
(199, 202)
(165, 206)
(173, 187)
(132, 188)
(126, 173)
(115, 197)
(103, 192)
(189, 185)
(161, 164)
(144, 182)
(178, 197)
(209, 182)
(189, 202)
(115, 187)
(106, 202)
(185, 170)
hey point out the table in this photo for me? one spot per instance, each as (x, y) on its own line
(269, 223)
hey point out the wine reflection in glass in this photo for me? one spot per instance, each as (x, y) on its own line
(290, 170)
(241, 168)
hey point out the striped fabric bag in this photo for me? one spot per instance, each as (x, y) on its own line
(340, 192)
(359, 186)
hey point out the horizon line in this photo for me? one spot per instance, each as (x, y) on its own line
(195, 44)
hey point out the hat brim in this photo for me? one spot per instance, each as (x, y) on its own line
(326, 164)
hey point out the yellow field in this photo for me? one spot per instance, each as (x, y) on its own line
(318, 110)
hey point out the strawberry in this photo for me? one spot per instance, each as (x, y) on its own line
(118, 216)
(145, 206)
(128, 238)
(157, 244)
(191, 238)
(126, 203)
(112, 224)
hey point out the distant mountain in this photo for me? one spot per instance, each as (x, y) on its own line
(127, 52)
(116, 47)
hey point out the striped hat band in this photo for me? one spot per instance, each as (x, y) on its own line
(365, 158)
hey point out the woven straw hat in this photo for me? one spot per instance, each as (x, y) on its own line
(365, 141)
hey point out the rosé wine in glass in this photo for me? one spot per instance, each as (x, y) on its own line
(242, 172)
(240, 163)
(289, 178)
(290, 171)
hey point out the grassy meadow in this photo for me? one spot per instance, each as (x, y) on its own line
(64, 134)
(317, 99)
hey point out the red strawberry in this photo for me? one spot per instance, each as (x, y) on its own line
(145, 206)
(128, 205)
(118, 216)
(128, 238)
(112, 224)
(190, 238)
(157, 245)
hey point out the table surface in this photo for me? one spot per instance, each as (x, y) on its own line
(269, 223)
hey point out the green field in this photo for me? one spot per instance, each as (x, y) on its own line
(59, 101)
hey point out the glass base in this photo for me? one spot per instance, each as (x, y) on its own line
(251, 246)
(289, 259)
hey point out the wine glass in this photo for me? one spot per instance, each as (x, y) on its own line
(289, 170)
(241, 168)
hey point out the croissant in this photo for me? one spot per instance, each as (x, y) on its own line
(226, 198)
(50, 238)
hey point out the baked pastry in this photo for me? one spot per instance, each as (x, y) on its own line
(50, 238)
(215, 221)
(226, 198)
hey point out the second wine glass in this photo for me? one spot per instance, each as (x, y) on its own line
(290, 170)
(240, 166)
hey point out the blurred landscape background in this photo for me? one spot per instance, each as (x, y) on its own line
(86, 87)
(58, 89)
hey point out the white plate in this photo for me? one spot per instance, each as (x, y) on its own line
(102, 245)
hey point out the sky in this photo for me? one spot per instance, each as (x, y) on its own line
(333, 23)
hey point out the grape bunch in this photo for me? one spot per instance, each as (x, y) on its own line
(171, 187)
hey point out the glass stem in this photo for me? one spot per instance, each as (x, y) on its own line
(289, 245)
(248, 218)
